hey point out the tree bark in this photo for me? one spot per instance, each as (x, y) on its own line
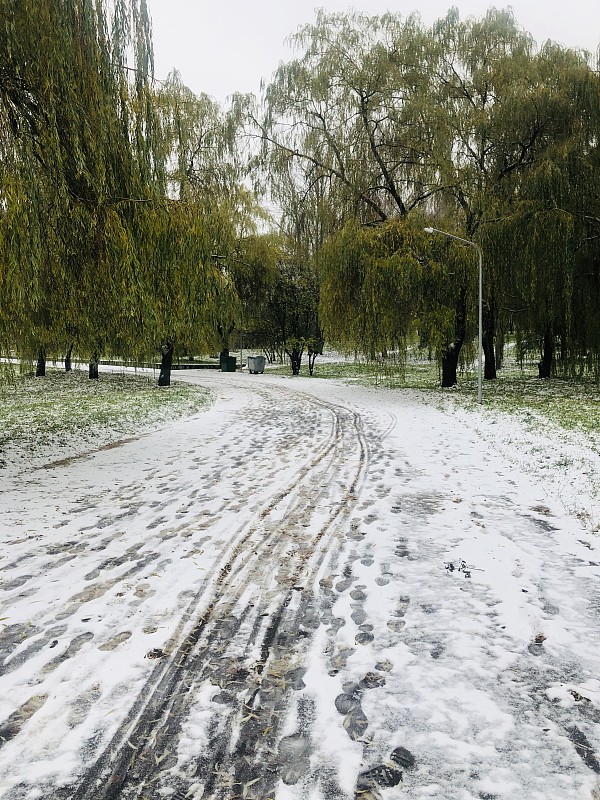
(315, 348)
(223, 356)
(489, 326)
(489, 358)
(449, 366)
(296, 359)
(224, 336)
(545, 365)
(40, 369)
(450, 357)
(68, 366)
(166, 362)
(488, 336)
(93, 368)
(500, 348)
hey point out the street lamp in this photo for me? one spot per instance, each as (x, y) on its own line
(476, 246)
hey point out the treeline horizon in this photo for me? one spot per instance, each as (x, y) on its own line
(132, 212)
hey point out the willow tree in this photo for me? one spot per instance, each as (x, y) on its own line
(371, 280)
(84, 160)
(391, 117)
(475, 65)
(307, 219)
(353, 110)
(386, 117)
(508, 111)
(288, 319)
(208, 170)
(548, 240)
(339, 134)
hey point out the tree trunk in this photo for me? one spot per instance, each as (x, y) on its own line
(68, 359)
(224, 336)
(489, 365)
(296, 359)
(450, 357)
(315, 348)
(224, 355)
(545, 365)
(164, 379)
(40, 369)
(489, 325)
(500, 349)
(93, 368)
(450, 366)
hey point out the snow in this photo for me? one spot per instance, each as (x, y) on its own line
(271, 597)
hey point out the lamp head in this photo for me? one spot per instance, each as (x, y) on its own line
(428, 230)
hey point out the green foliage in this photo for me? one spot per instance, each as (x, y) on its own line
(285, 318)
(76, 177)
(94, 253)
(465, 123)
(127, 223)
(344, 115)
(382, 284)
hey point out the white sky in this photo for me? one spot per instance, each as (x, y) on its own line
(229, 45)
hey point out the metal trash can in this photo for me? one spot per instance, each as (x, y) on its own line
(256, 365)
(228, 364)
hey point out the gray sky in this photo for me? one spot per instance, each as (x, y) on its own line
(224, 46)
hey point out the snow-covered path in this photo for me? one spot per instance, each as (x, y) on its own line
(302, 593)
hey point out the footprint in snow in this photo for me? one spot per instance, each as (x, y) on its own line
(398, 623)
(383, 775)
(74, 647)
(402, 550)
(340, 660)
(348, 704)
(83, 705)
(115, 641)
(364, 637)
(12, 726)
(359, 615)
(13, 635)
(293, 756)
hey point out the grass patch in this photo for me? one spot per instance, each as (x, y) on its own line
(573, 405)
(363, 373)
(67, 411)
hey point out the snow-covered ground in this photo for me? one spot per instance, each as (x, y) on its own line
(309, 591)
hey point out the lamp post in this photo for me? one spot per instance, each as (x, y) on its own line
(480, 254)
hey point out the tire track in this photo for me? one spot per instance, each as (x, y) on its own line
(141, 751)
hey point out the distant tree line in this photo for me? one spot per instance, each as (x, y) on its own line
(132, 217)
(384, 126)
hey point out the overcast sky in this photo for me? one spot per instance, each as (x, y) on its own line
(226, 46)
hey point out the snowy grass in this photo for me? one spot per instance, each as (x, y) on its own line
(572, 404)
(64, 414)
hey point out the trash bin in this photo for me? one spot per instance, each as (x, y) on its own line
(228, 363)
(256, 365)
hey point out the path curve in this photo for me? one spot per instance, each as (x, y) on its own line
(308, 591)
